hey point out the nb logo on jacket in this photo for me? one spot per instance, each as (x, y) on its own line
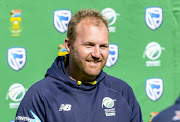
(65, 107)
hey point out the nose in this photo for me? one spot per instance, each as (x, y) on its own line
(96, 52)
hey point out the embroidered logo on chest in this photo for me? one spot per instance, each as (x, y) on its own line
(109, 109)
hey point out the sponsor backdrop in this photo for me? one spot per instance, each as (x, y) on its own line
(144, 47)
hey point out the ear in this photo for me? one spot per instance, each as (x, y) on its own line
(67, 45)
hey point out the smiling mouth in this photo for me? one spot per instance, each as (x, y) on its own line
(93, 62)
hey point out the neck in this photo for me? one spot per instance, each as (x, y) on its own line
(69, 73)
(76, 76)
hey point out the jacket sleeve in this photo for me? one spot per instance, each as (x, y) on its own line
(133, 103)
(32, 107)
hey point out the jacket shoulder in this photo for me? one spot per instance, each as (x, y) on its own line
(42, 89)
(122, 88)
(117, 84)
(126, 91)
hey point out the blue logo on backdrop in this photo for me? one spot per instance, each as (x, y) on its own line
(113, 55)
(61, 20)
(16, 58)
(154, 88)
(153, 17)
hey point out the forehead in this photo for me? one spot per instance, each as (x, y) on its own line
(87, 31)
(89, 25)
(90, 21)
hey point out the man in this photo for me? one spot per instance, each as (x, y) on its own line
(75, 89)
(170, 114)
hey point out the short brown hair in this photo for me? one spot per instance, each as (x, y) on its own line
(82, 14)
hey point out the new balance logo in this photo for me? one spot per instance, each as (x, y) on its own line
(65, 107)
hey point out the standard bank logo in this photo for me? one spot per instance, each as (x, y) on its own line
(154, 88)
(16, 58)
(61, 20)
(16, 93)
(113, 55)
(111, 16)
(153, 52)
(153, 17)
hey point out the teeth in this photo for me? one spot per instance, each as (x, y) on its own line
(92, 62)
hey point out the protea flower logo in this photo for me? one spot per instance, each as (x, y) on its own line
(108, 102)
(16, 92)
(111, 16)
(153, 51)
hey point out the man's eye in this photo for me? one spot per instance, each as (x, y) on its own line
(104, 46)
(89, 45)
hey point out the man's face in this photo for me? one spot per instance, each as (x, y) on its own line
(90, 50)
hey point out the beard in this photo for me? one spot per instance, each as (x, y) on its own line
(82, 68)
